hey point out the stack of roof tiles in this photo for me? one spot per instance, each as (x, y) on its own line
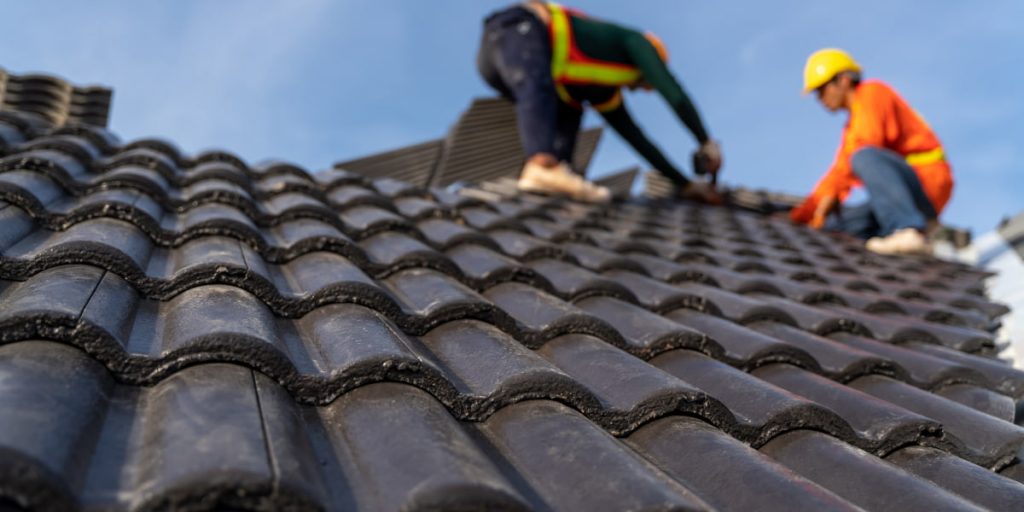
(54, 99)
(198, 333)
(483, 145)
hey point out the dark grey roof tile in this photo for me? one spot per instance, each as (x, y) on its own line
(365, 221)
(669, 272)
(432, 298)
(525, 247)
(210, 216)
(983, 487)
(631, 392)
(985, 440)
(836, 360)
(108, 243)
(600, 260)
(330, 178)
(817, 320)
(445, 234)
(391, 251)
(1005, 378)
(742, 309)
(421, 208)
(862, 479)
(339, 347)
(743, 347)
(900, 330)
(880, 426)
(485, 268)
(392, 188)
(168, 467)
(195, 321)
(762, 410)
(985, 400)
(486, 219)
(54, 402)
(298, 236)
(572, 282)
(922, 370)
(17, 226)
(674, 443)
(312, 276)
(555, 449)
(1015, 471)
(348, 196)
(56, 165)
(540, 317)
(659, 297)
(490, 369)
(618, 241)
(30, 191)
(646, 333)
(51, 302)
(280, 177)
(399, 449)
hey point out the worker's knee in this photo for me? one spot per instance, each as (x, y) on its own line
(870, 161)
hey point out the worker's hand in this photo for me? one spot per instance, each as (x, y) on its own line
(711, 153)
(701, 192)
(826, 205)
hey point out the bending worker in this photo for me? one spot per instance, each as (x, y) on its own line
(551, 61)
(888, 148)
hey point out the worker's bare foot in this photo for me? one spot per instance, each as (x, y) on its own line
(902, 241)
(561, 180)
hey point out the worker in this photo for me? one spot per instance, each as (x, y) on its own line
(888, 148)
(551, 61)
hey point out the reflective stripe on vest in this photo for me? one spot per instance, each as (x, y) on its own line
(613, 103)
(570, 66)
(926, 157)
(605, 106)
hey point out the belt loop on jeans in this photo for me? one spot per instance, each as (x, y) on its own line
(926, 157)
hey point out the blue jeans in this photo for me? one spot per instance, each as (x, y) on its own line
(515, 60)
(896, 201)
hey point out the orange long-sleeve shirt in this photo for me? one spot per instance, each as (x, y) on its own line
(880, 117)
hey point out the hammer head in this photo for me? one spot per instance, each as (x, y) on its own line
(702, 167)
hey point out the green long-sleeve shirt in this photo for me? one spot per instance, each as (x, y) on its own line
(610, 42)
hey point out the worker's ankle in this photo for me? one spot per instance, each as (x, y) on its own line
(546, 160)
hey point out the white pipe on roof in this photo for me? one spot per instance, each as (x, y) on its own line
(992, 252)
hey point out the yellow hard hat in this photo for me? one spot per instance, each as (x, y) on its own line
(823, 65)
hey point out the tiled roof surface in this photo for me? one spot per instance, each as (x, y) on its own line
(197, 333)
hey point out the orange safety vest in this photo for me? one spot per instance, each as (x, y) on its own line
(880, 117)
(570, 66)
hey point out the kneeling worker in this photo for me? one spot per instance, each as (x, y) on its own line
(550, 61)
(888, 148)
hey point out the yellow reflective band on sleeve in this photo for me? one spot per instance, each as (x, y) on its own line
(926, 157)
(612, 104)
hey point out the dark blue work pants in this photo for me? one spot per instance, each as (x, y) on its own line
(515, 60)
(897, 199)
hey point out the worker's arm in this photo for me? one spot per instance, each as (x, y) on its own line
(867, 127)
(620, 120)
(656, 73)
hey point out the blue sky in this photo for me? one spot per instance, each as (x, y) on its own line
(317, 81)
